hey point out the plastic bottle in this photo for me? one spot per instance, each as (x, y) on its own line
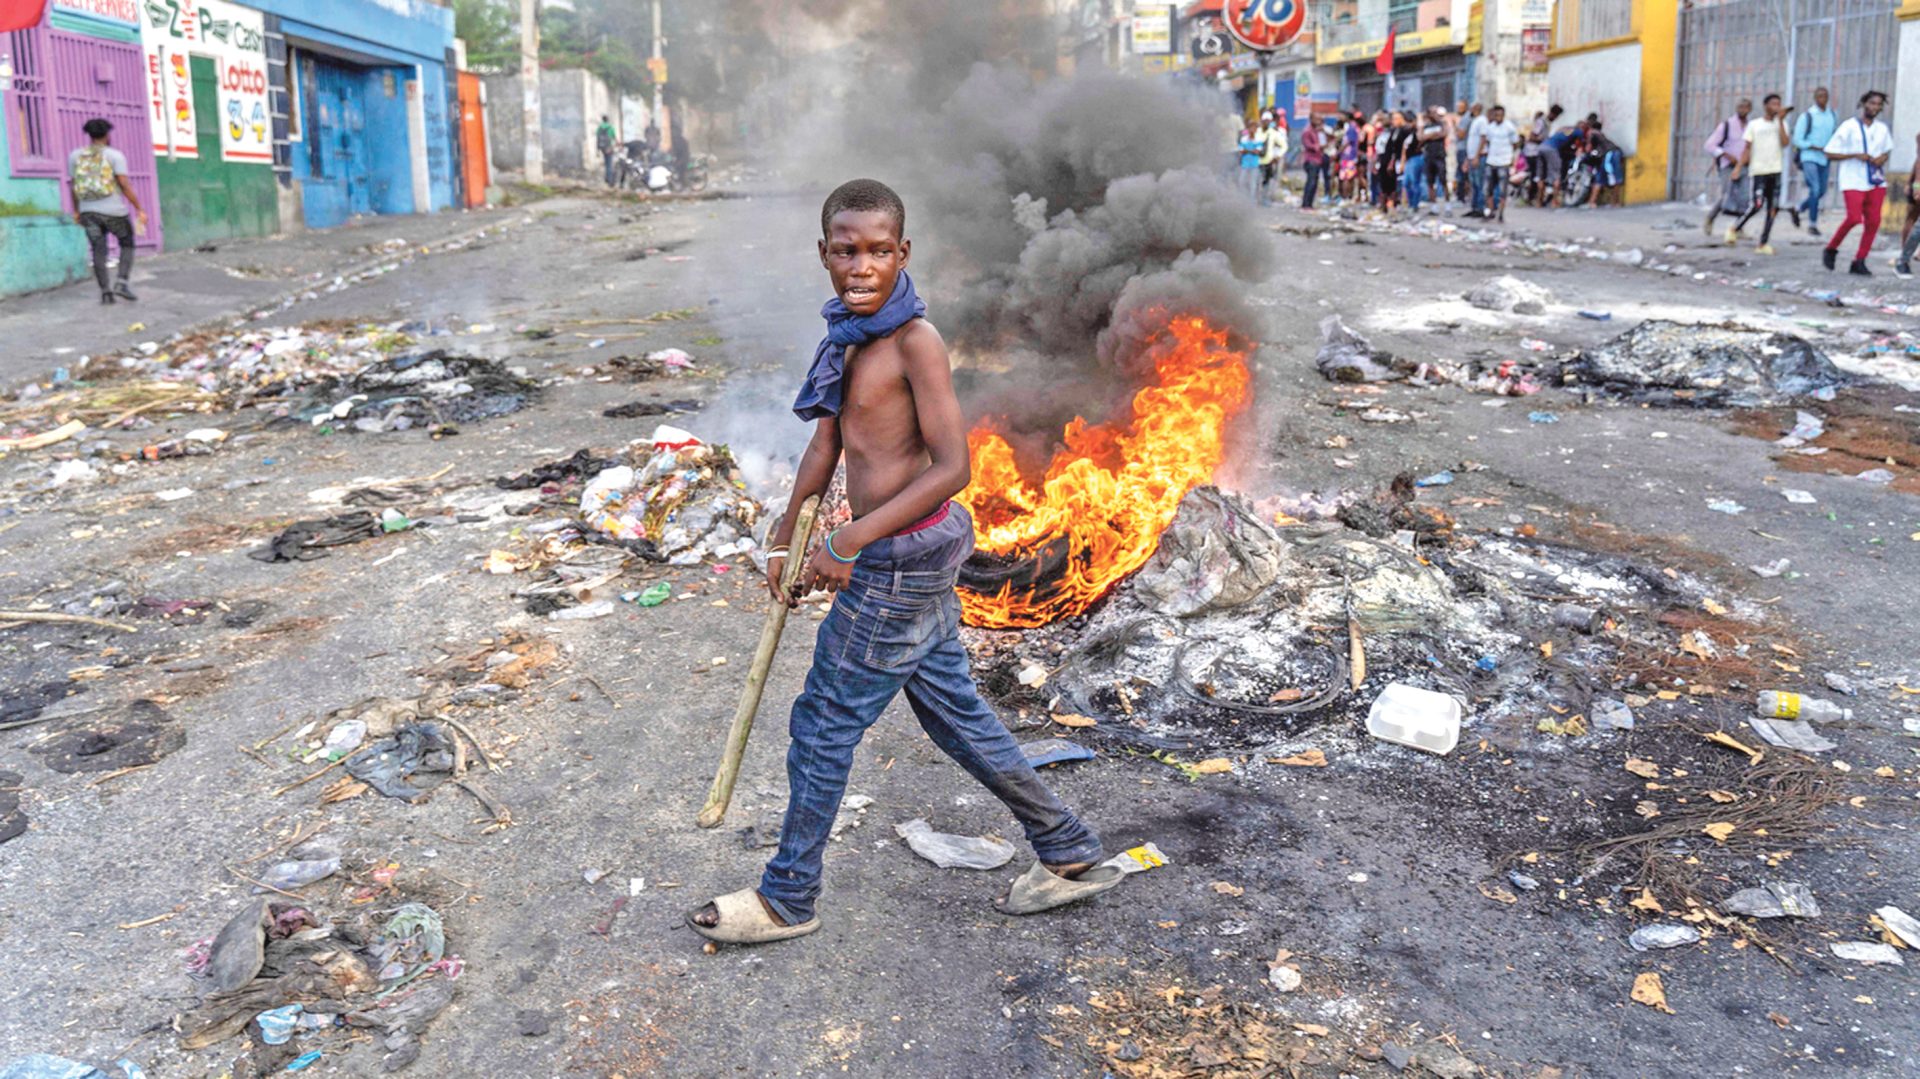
(1779, 704)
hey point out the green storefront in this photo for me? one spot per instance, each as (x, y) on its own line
(204, 199)
(207, 73)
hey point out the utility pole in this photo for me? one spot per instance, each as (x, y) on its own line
(660, 116)
(535, 162)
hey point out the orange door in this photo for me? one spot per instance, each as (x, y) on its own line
(473, 141)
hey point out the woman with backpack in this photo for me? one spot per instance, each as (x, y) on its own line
(101, 196)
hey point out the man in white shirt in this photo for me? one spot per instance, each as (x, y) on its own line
(1495, 148)
(1859, 150)
(1764, 159)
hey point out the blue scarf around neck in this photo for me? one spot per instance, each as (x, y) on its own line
(823, 391)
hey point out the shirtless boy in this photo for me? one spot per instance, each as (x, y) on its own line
(880, 392)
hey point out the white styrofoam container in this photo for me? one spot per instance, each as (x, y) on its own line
(1411, 716)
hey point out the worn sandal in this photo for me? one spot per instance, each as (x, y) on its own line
(1041, 889)
(744, 920)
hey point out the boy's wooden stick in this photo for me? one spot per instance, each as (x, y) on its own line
(721, 793)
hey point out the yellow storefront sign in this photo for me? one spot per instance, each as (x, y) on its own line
(1440, 37)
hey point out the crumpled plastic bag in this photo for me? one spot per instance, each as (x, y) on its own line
(1345, 356)
(387, 765)
(1217, 553)
(954, 851)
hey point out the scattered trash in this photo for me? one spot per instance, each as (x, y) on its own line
(138, 733)
(1670, 363)
(301, 1062)
(1806, 428)
(278, 1024)
(1522, 881)
(1543, 417)
(1798, 497)
(1032, 676)
(1438, 479)
(1780, 704)
(1901, 924)
(1597, 316)
(1213, 555)
(954, 851)
(1790, 734)
(1875, 476)
(1345, 356)
(1870, 953)
(1726, 506)
(1040, 753)
(652, 596)
(303, 541)
(1664, 935)
(287, 876)
(1509, 293)
(1839, 683)
(684, 497)
(1137, 859)
(1772, 569)
(389, 764)
(1534, 344)
(1610, 713)
(599, 608)
(1285, 979)
(1420, 718)
(1774, 899)
(1574, 616)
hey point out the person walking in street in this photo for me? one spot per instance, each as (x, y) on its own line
(1860, 148)
(1763, 160)
(101, 200)
(1313, 160)
(1810, 134)
(880, 396)
(1909, 236)
(1726, 145)
(1498, 142)
(605, 138)
(1251, 146)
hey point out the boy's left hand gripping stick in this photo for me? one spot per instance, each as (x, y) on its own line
(721, 793)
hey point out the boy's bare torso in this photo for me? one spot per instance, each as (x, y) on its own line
(879, 426)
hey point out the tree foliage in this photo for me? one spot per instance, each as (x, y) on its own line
(492, 33)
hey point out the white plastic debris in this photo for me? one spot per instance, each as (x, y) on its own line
(1664, 935)
(1871, 953)
(1420, 718)
(1798, 497)
(1901, 924)
(954, 851)
(599, 608)
(1032, 676)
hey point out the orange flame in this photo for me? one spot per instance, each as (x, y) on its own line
(1113, 488)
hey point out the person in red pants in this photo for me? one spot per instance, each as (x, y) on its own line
(1859, 150)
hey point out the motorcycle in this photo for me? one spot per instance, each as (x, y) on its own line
(1583, 179)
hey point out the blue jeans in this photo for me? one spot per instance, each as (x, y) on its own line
(1490, 188)
(1816, 174)
(897, 627)
(1414, 183)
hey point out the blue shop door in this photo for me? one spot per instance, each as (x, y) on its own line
(1283, 101)
(337, 186)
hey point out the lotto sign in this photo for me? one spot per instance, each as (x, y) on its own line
(234, 39)
(1265, 25)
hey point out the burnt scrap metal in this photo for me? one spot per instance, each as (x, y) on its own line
(1726, 365)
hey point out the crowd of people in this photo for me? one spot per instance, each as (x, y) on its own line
(1751, 154)
(1476, 156)
(1473, 155)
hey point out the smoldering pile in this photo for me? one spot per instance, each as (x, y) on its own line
(1239, 631)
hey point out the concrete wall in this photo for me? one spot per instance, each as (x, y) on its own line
(40, 247)
(1606, 81)
(1906, 88)
(571, 104)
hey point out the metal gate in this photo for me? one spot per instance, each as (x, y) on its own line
(1751, 48)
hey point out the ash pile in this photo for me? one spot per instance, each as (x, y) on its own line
(1239, 631)
(1711, 366)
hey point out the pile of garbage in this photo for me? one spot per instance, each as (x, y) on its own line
(679, 495)
(419, 388)
(1715, 366)
(301, 984)
(1345, 355)
(1236, 629)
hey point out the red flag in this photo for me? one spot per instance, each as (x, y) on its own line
(1384, 62)
(20, 14)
